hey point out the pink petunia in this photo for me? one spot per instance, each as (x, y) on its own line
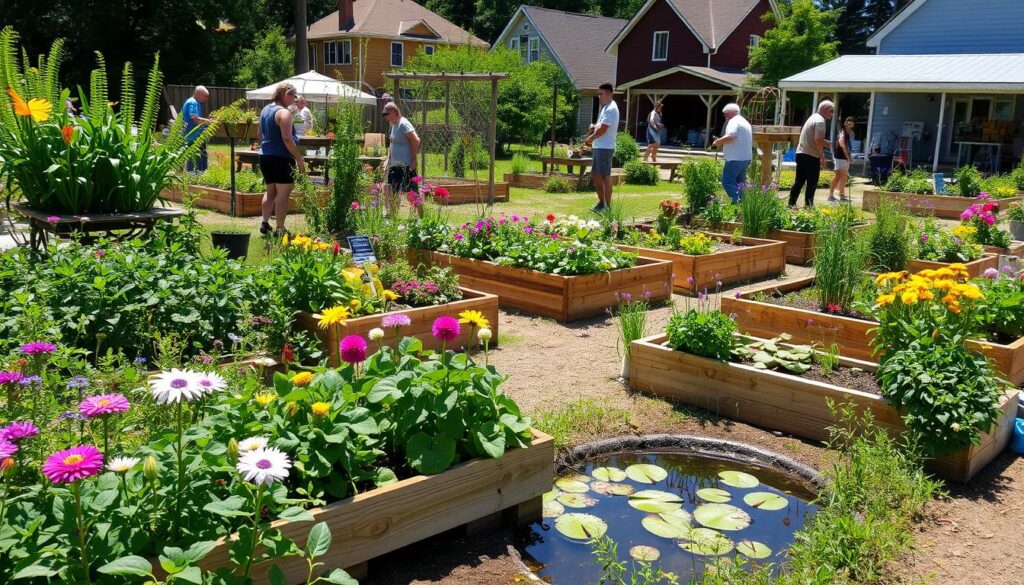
(73, 464)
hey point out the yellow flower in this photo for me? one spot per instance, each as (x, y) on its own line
(264, 398)
(284, 240)
(389, 295)
(356, 304)
(475, 318)
(972, 292)
(352, 274)
(302, 378)
(885, 300)
(909, 298)
(965, 232)
(334, 316)
(886, 277)
(39, 109)
(320, 408)
(959, 269)
(926, 295)
(953, 307)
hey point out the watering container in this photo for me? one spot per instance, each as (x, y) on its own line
(1018, 436)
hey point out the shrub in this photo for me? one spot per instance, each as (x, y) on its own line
(704, 333)
(839, 258)
(558, 185)
(520, 163)
(968, 181)
(788, 177)
(638, 173)
(463, 158)
(1018, 176)
(697, 244)
(889, 239)
(702, 178)
(626, 149)
(940, 245)
(219, 176)
(719, 211)
(917, 181)
(1002, 310)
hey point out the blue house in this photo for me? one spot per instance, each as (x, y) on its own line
(946, 84)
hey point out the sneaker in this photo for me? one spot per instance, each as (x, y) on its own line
(832, 199)
(600, 207)
(845, 199)
(280, 233)
(264, 228)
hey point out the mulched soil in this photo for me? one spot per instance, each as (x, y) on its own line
(801, 300)
(853, 378)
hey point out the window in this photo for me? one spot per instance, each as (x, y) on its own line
(659, 52)
(524, 43)
(755, 40)
(397, 54)
(428, 49)
(513, 44)
(338, 52)
(311, 51)
(534, 49)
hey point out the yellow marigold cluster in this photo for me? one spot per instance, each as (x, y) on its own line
(305, 243)
(949, 283)
(302, 378)
(965, 232)
(320, 408)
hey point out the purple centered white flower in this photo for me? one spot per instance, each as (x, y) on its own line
(264, 466)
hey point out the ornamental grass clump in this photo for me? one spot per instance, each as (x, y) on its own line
(890, 238)
(761, 210)
(839, 258)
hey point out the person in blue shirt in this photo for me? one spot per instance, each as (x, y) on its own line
(279, 156)
(192, 114)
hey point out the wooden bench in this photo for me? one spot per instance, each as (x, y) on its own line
(671, 166)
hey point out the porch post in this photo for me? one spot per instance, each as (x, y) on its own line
(814, 103)
(835, 116)
(628, 97)
(867, 136)
(938, 133)
(780, 117)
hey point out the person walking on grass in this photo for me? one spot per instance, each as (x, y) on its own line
(654, 127)
(737, 144)
(602, 138)
(279, 156)
(810, 154)
(401, 161)
(843, 157)
(192, 114)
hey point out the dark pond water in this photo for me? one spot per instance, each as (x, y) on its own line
(745, 518)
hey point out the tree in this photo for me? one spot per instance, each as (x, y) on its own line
(301, 46)
(802, 39)
(269, 61)
(859, 20)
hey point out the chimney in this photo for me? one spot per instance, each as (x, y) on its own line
(346, 18)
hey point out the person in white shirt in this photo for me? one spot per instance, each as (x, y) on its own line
(303, 117)
(654, 126)
(602, 137)
(737, 143)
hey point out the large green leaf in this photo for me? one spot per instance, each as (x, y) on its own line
(645, 553)
(738, 479)
(721, 517)
(753, 549)
(229, 508)
(657, 525)
(646, 473)
(703, 541)
(714, 495)
(552, 509)
(130, 565)
(608, 474)
(319, 540)
(430, 455)
(655, 501)
(581, 526)
(765, 501)
(570, 500)
(567, 484)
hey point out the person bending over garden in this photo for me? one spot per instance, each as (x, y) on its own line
(192, 114)
(401, 161)
(810, 154)
(602, 137)
(737, 144)
(279, 156)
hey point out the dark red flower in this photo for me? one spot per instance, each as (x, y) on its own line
(286, 354)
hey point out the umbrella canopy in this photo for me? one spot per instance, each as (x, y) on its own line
(316, 88)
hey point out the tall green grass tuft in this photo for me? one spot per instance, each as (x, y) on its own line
(889, 239)
(762, 210)
(839, 259)
(520, 163)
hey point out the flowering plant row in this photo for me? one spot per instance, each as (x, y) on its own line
(941, 245)
(983, 217)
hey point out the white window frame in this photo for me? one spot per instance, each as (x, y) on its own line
(329, 46)
(513, 44)
(338, 52)
(534, 52)
(312, 57)
(401, 54)
(654, 45)
(428, 49)
(755, 40)
(524, 50)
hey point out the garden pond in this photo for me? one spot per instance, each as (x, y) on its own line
(679, 510)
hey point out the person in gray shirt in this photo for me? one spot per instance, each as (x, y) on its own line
(401, 161)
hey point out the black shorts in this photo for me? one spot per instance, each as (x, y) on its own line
(277, 169)
(399, 178)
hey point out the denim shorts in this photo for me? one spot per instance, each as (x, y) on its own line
(602, 162)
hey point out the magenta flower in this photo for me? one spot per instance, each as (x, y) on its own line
(459, 237)
(416, 179)
(990, 219)
(18, 430)
(355, 206)
(10, 377)
(352, 349)
(924, 238)
(446, 328)
(554, 236)
(967, 214)
(73, 464)
(38, 348)
(103, 405)
(396, 320)
(7, 449)
(52, 219)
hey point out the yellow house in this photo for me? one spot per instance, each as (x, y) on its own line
(365, 39)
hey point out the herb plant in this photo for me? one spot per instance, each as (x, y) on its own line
(761, 209)
(839, 258)
(704, 333)
(702, 180)
(968, 181)
(890, 237)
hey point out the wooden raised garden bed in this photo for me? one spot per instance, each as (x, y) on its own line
(467, 192)
(808, 327)
(974, 269)
(945, 206)
(538, 180)
(799, 245)
(1016, 249)
(564, 298)
(387, 518)
(246, 204)
(790, 403)
(422, 319)
(756, 258)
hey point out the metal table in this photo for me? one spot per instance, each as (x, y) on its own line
(89, 227)
(998, 146)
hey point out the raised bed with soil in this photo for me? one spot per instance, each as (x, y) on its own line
(799, 245)
(944, 206)
(538, 180)
(766, 319)
(974, 269)
(420, 328)
(1016, 249)
(387, 518)
(246, 204)
(564, 298)
(790, 403)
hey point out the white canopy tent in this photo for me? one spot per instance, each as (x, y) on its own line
(316, 88)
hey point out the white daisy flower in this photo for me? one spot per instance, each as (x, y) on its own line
(264, 466)
(252, 444)
(210, 382)
(122, 464)
(173, 386)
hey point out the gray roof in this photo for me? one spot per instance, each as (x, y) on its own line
(578, 42)
(714, 20)
(965, 72)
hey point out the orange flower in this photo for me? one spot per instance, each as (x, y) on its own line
(37, 108)
(67, 132)
(20, 107)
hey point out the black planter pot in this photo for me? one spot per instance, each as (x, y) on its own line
(236, 244)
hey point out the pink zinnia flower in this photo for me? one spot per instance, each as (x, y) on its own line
(416, 179)
(73, 464)
(355, 206)
(38, 348)
(102, 405)
(990, 219)
(10, 377)
(52, 219)
(446, 328)
(440, 193)
(18, 430)
(396, 320)
(967, 214)
(352, 349)
(7, 449)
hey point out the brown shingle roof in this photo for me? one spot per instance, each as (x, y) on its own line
(714, 20)
(385, 18)
(578, 42)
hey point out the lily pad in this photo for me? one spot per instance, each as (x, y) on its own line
(722, 517)
(738, 479)
(646, 473)
(576, 500)
(655, 501)
(576, 477)
(581, 526)
(714, 495)
(753, 549)
(765, 501)
(552, 510)
(572, 486)
(621, 489)
(608, 474)
(644, 553)
(704, 541)
(551, 495)
(678, 517)
(659, 526)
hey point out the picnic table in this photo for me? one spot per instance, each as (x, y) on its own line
(671, 166)
(90, 226)
(570, 162)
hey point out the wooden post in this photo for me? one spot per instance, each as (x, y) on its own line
(835, 118)
(867, 137)
(447, 107)
(423, 146)
(780, 117)
(494, 138)
(554, 117)
(938, 132)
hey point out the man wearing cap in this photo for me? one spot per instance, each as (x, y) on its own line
(401, 161)
(192, 114)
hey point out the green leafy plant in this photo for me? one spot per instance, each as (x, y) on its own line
(983, 218)
(719, 211)
(968, 181)
(520, 163)
(938, 244)
(917, 181)
(235, 114)
(626, 149)
(771, 354)
(1018, 177)
(696, 244)
(1001, 312)
(1015, 212)
(890, 238)
(702, 180)
(616, 572)
(558, 185)
(467, 158)
(839, 258)
(704, 333)
(761, 210)
(640, 173)
(346, 168)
